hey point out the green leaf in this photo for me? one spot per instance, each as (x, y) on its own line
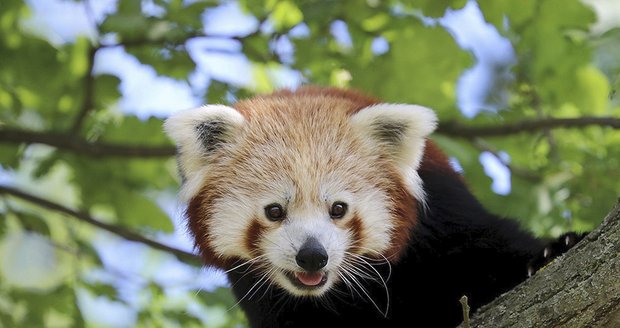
(413, 72)
(129, 26)
(133, 7)
(376, 22)
(136, 210)
(10, 156)
(607, 52)
(218, 296)
(517, 13)
(108, 92)
(591, 93)
(62, 300)
(132, 130)
(286, 15)
(102, 289)
(88, 253)
(189, 16)
(121, 184)
(33, 223)
(434, 8)
(256, 47)
(78, 62)
(168, 61)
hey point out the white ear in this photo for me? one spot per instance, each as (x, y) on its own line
(198, 134)
(401, 130)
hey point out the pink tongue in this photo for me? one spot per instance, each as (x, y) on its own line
(309, 278)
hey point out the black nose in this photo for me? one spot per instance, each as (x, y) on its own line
(311, 256)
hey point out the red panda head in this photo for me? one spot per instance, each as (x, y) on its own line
(301, 184)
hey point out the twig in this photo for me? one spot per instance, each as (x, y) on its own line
(117, 230)
(455, 129)
(465, 307)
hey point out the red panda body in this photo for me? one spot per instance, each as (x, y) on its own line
(328, 207)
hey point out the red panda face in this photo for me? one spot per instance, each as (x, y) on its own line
(303, 189)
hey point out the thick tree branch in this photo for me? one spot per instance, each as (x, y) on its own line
(94, 149)
(115, 229)
(456, 129)
(579, 289)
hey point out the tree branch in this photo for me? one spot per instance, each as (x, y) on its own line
(579, 289)
(115, 229)
(94, 149)
(455, 129)
(448, 128)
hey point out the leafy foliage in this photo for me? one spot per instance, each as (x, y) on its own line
(51, 93)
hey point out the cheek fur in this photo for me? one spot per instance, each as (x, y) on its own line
(198, 213)
(221, 235)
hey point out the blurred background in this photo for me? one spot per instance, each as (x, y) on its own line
(91, 232)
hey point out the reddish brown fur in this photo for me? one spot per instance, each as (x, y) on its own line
(357, 99)
(252, 236)
(405, 214)
(197, 213)
(356, 227)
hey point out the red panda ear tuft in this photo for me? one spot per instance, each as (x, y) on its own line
(400, 130)
(199, 133)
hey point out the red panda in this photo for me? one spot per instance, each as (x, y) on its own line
(327, 206)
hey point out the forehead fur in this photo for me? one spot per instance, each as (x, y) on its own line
(357, 99)
(302, 138)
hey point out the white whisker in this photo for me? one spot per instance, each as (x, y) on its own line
(268, 275)
(356, 268)
(348, 283)
(385, 259)
(387, 292)
(363, 290)
(250, 261)
(260, 282)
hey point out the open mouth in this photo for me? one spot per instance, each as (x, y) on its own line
(307, 280)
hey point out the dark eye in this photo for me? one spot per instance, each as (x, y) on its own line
(274, 212)
(338, 210)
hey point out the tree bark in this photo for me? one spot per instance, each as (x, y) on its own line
(579, 289)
